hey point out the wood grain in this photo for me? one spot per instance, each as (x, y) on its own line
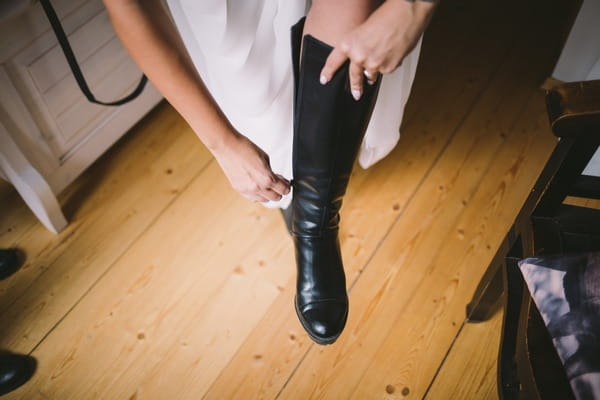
(185, 306)
(472, 376)
(435, 307)
(416, 269)
(167, 284)
(128, 194)
(376, 198)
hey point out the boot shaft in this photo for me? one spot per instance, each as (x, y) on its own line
(329, 126)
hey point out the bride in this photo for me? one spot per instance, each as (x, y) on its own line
(286, 94)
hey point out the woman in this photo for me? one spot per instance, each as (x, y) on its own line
(226, 69)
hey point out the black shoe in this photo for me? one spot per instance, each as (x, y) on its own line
(15, 370)
(329, 126)
(10, 261)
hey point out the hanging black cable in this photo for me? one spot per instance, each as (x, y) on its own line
(70, 56)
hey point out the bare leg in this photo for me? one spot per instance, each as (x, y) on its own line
(329, 20)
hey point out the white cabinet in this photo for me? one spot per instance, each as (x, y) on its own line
(49, 132)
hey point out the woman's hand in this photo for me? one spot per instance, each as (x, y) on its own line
(248, 170)
(153, 42)
(380, 43)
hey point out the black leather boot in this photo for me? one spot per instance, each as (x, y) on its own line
(329, 126)
(10, 262)
(15, 370)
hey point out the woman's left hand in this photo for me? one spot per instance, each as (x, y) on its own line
(380, 43)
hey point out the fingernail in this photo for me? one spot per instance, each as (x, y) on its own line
(323, 79)
(356, 94)
(371, 82)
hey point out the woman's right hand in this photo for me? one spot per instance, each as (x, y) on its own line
(248, 170)
(150, 37)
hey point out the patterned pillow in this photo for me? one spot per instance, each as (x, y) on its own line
(566, 291)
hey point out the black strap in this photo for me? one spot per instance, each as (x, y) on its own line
(66, 47)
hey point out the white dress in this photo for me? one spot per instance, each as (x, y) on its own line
(241, 49)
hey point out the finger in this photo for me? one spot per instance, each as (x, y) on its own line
(335, 60)
(371, 76)
(280, 186)
(356, 80)
(271, 195)
(256, 198)
(287, 182)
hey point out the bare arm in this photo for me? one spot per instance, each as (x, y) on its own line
(154, 44)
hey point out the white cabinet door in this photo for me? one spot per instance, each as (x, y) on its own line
(43, 110)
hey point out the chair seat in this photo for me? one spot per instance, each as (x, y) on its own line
(566, 291)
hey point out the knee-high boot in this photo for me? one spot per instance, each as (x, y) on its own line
(329, 126)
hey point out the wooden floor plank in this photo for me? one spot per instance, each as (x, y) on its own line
(436, 61)
(176, 314)
(392, 280)
(375, 199)
(126, 196)
(403, 295)
(167, 284)
(428, 321)
(582, 202)
(469, 371)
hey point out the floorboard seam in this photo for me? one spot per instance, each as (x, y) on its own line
(408, 202)
(493, 75)
(294, 371)
(418, 187)
(63, 241)
(443, 361)
(133, 242)
(446, 355)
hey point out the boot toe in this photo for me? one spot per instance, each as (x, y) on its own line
(15, 370)
(324, 321)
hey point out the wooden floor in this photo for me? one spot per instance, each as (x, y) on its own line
(168, 285)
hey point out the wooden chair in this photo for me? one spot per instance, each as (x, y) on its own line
(528, 367)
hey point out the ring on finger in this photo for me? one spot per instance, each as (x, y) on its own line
(369, 75)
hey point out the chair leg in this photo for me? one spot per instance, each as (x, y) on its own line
(489, 291)
(508, 381)
(516, 378)
(487, 295)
